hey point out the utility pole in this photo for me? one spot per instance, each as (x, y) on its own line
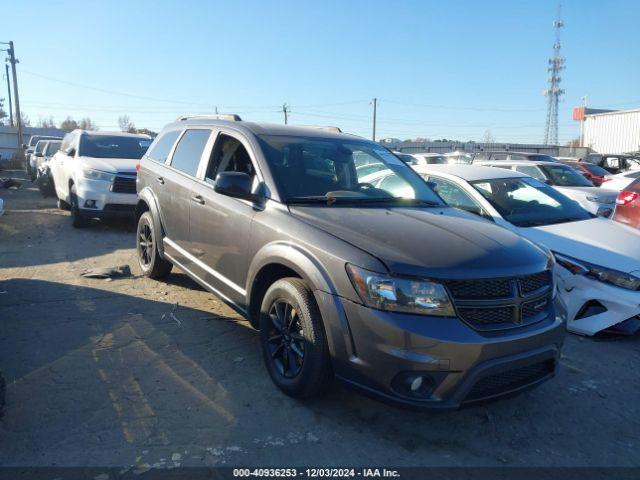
(13, 61)
(286, 110)
(6, 68)
(374, 102)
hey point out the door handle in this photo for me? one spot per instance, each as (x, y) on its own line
(160, 180)
(198, 199)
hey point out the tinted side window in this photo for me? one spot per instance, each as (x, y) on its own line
(189, 150)
(161, 148)
(455, 196)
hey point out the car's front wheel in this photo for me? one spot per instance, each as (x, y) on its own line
(294, 344)
(149, 259)
(78, 220)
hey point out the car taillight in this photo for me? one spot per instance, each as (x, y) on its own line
(138, 167)
(626, 197)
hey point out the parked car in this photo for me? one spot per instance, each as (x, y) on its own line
(30, 147)
(567, 181)
(621, 180)
(430, 158)
(595, 174)
(511, 157)
(598, 261)
(44, 179)
(458, 157)
(613, 162)
(628, 205)
(404, 298)
(406, 158)
(94, 173)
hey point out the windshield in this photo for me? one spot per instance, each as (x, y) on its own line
(406, 158)
(564, 176)
(113, 146)
(52, 147)
(436, 160)
(40, 146)
(311, 169)
(595, 169)
(527, 202)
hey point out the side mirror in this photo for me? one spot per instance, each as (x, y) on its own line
(234, 184)
(70, 151)
(25, 146)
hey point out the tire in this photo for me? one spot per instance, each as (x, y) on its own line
(78, 220)
(311, 374)
(62, 205)
(149, 259)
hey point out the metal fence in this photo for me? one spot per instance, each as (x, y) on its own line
(473, 147)
(9, 138)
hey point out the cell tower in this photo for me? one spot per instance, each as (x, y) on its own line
(556, 64)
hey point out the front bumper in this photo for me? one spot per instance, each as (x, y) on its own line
(95, 199)
(578, 292)
(465, 366)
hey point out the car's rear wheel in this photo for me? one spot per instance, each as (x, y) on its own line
(78, 220)
(294, 344)
(149, 259)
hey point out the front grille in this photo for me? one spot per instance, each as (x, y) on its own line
(500, 303)
(510, 380)
(117, 208)
(485, 318)
(531, 283)
(480, 289)
(123, 184)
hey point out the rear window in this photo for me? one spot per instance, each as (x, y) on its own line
(113, 146)
(565, 176)
(162, 147)
(186, 157)
(595, 169)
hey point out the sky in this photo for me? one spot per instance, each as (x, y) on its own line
(439, 69)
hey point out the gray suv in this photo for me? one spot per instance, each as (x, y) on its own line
(384, 288)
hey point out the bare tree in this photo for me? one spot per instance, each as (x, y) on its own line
(24, 119)
(69, 124)
(488, 137)
(3, 114)
(47, 122)
(87, 124)
(126, 125)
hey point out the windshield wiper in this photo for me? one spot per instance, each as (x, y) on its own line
(331, 200)
(538, 223)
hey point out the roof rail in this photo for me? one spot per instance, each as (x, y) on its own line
(323, 127)
(231, 117)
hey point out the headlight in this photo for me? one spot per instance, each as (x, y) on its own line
(603, 274)
(384, 292)
(98, 175)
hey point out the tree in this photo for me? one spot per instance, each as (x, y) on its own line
(126, 125)
(146, 131)
(47, 122)
(488, 137)
(24, 119)
(3, 114)
(87, 124)
(574, 143)
(69, 124)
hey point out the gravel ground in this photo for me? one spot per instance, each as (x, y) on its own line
(159, 374)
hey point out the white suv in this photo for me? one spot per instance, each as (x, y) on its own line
(94, 173)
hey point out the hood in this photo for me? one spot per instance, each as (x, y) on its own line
(598, 240)
(431, 242)
(111, 165)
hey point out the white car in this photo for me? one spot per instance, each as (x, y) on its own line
(566, 180)
(620, 181)
(598, 261)
(94, 173)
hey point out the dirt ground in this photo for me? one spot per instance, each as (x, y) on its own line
(135, 372)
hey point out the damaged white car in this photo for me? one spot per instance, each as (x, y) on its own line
(598, 260)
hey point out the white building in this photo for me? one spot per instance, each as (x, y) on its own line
(612, 132)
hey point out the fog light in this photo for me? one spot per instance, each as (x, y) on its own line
(89, 204)
(415, 385)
